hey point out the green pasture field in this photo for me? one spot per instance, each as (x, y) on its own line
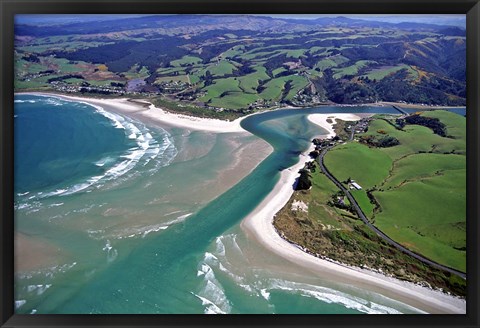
(332, 61)
(454, 123)
(422, 166)
(234, 51)
(74, 81)
(320, 193)
(67, 66)
(178, 78)
(273, 89)
(40, 82)
(380, 73)
(220, 86)
(428, 217)
(352, 69)
(219, 69)
(298, 83)
(325, 64)
(268, 54)
(297, 53)
(135, 73)
(416, 139)
(278, 71)
(367, 166)
(250, 82)
(186, 60)
(363, 201)
(171, 70)
(194, 79)
(420, 185)
(234, 100)
(23, 67)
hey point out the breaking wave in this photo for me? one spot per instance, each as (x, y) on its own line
(146, 148)
(262, 285)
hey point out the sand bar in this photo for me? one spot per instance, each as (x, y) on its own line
(258, 225)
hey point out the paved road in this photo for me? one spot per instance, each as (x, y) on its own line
(362, 216)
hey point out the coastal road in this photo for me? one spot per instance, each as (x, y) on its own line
(379, 233)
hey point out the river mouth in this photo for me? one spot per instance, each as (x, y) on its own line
(175, 233)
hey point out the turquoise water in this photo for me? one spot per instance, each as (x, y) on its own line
(143, 239)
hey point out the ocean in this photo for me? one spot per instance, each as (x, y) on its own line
(130, 217)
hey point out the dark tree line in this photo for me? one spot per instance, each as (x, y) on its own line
(429, 122)
(65, 77)
(383, 142)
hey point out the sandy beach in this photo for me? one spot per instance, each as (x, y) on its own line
(152, 113)
(259, 226)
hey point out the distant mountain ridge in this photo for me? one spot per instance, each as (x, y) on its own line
(232, 22)
(241, 63)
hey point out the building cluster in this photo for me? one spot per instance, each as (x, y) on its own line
(360, 127)
(354, 185)
(71, 88)
(321, 144)
(172, 86)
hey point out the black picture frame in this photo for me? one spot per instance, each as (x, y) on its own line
(9, 8)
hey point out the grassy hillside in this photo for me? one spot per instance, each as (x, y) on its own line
(419, 201)
(275, 63)
(420, 185)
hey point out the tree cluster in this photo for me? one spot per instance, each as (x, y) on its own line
(429, 122)
(303, 182)
(383, 142)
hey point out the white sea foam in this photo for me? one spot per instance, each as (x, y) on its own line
(265, 294)
(329, 295)
(52, 101)
(154, 230)
(209, 256)
(52, 193)
(31, 206)
(22, 206)
(131, 232)
(174, 212)
(220, 246)
(263, 287)
(147, 148)
(103, 161)
(19, 303)
(182, 217)
(48, 272)
(38, 289)
(56, 204)
(211, 308)
(112, 253)
(143, 231)
(212, 294)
